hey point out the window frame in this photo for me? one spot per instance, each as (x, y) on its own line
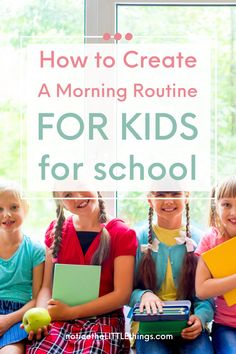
(100, 15)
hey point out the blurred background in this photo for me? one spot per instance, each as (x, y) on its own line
(51, 18)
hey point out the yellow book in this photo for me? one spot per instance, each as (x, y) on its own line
(221, 261)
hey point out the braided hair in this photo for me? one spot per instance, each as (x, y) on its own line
(57, 232)
(186, 287)
(104, 246)
(147, 277)
(212, 216)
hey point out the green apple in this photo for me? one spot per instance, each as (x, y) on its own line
(36, 318)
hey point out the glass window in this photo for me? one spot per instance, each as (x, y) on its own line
(28, 18)
(191, 21)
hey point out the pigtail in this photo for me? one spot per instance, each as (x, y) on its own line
(187, 211)
(104, 246)
(214, 219)
(186, 288)
(147, 277)
(102, 209)
(213, 215)
(58, 230)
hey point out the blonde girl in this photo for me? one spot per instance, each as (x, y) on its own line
(223, 228)
(21, 269)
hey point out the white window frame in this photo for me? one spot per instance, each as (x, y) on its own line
(100, 17)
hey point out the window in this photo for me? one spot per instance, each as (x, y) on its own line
(95, 17)
(28, 18)
(147, 19)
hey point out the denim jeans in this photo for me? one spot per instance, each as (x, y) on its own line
(201, 344)
(14, 333)
(223, 339)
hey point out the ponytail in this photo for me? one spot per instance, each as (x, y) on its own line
(147, 277)
(102, 209)
(212, 215)
(186, 288)
(104, 245)
(58, 230)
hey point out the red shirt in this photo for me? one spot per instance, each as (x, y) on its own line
(123, 243)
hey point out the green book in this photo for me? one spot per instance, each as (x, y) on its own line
(76, 284)
(172, 320)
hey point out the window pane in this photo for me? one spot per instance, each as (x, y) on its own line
(28, 18)
(217, 22)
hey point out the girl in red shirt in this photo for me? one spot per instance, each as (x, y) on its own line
(88, 236)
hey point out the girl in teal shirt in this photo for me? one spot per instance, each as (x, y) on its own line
(165, 270)
(21, 269)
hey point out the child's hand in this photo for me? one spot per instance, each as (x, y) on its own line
(42, 332)
(194, 329)
(5, 324)
(151, 303)
(59, 311)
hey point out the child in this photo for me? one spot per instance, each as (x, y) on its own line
(165, 270)
(223, 222)
(87, 237)
(21, 269)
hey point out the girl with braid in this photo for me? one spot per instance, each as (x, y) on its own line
(165, 271)
(223, 228)
(88, 236)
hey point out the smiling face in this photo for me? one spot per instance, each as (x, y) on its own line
(226, 210)
(225, 203)
(12, 212)
(169, 207)
(80, 203)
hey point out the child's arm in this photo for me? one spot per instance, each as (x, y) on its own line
(45, 292)
(206, 286)
(194, 329)
(14, 317)
(203, 313)
(123, 283)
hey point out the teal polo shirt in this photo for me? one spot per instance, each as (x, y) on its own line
(16, 273)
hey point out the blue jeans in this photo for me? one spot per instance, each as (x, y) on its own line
(14, 334)
(224, 339)
(201, 344)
